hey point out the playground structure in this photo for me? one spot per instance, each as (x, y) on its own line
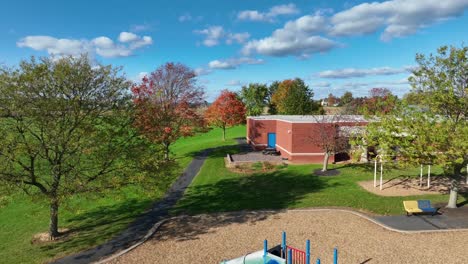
(280, 254)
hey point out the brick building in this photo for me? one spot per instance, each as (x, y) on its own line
(293, 136)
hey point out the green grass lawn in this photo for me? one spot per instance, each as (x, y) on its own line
(93, 220)
(217, 189)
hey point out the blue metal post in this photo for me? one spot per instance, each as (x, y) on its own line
(289, 257)
(265, 250)
(283, 244)
(318, 261)
(308, 251)
(335, 256)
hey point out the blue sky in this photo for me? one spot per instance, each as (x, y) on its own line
(335, 46)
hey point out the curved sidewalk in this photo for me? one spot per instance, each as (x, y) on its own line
(138, 229)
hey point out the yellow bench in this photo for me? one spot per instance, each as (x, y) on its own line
(419, 206)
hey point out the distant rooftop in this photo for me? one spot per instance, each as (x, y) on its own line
(312, 118)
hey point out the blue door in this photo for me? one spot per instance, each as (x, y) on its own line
(271, 140)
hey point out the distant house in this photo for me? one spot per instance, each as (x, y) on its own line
(291, 134)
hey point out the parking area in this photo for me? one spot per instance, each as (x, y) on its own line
(249, 155)
(255, 156)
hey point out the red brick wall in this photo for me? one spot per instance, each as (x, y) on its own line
(283, 138)
(257, 131)
(292, 139)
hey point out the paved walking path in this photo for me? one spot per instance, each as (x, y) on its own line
(449, 219)
(139, 228)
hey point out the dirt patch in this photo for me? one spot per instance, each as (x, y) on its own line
(254, 167)
(407, 186)
(213, 238)
(332, 172)
(42, 238)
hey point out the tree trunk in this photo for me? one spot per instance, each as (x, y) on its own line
(224, 133)
(454, 187)
(325, 161)
(53, 226)
(166, 151)
(453, 197)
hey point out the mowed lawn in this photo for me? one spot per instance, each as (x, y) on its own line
(217, 189)
(93, 220)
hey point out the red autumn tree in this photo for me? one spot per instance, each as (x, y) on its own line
(165, 104)
(325, 134)
(226, 111)
(380, 102)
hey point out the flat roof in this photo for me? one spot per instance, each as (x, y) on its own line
(312, 118)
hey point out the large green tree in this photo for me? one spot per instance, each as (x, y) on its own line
(435, 131)
(65, 129)
(254, 96)
(294, 97)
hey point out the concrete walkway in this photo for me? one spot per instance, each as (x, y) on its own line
(448, 219)
(139, 228)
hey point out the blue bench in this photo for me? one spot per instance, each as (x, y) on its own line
(419, 206)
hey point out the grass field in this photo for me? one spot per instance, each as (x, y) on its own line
(93, 220)
(217, 189)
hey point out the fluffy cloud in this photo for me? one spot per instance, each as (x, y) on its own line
(212, 34)
(215, 34)
(254, 15)
(102, 46)
(297, 37)
(233, 63)
(354, 72)
(55, 46)
(127, 37)
(397, 17)
(237, 37)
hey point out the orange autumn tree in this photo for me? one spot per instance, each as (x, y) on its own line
(226, 111)
(280, 94)
(166, 104)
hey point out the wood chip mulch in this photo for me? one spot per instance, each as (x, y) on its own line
(212, 238)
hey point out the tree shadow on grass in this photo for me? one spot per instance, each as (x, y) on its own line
(96, 226)
(213, 152)
(275, 190)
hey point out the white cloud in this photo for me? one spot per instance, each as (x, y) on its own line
(297, 38)
(141, 42)
(237, 37)
(103, 42)
(127, 37)
(397, 17)
(233, 63)
(55, 46)
(214, 35)
(354, 72)
(102, 45)
(254, 15)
